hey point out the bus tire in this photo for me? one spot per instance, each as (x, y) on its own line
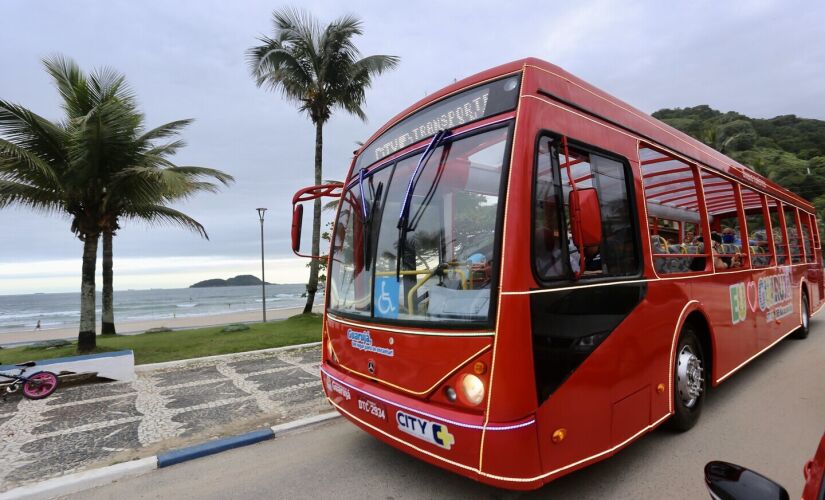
(805, 327)
(689, 380)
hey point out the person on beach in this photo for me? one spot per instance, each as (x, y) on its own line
(37, 327)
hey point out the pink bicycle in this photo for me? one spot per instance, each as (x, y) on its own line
(35, 386)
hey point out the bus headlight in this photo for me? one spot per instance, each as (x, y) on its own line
(330, 352)
(472, 388)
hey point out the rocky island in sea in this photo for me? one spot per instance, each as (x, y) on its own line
(240, 280)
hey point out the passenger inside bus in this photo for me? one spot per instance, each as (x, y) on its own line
(721, 260)
(592, 259)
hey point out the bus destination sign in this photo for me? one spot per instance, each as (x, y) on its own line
(466, 107)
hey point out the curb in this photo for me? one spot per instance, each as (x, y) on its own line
(80, 481)
(211, 447)
(181, 362)
(277, 430)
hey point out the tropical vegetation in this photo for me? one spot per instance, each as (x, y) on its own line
(98, 166)
(786, 149)
(319, 69)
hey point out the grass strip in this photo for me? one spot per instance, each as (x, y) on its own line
(186, 344)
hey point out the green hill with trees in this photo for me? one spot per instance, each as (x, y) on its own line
(786, 149)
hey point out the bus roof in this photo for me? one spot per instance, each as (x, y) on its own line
(556, 83)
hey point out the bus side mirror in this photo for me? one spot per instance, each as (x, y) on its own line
(297, 220)
(730, 481)
(330, 190)
(585, 217)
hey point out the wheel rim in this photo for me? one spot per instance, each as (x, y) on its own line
(40, 384)
(689, 376)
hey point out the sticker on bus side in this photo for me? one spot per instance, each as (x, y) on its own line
(775, 295)
(425, 430)
(738, 303)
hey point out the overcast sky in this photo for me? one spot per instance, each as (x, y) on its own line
(185, 59)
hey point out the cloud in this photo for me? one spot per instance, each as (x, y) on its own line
(186, 59)
(139, 273)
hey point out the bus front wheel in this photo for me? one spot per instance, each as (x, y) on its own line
(805, 327)
(688, 380)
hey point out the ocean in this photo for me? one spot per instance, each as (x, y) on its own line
(58, 310)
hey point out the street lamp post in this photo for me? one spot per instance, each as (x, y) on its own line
(261, 212)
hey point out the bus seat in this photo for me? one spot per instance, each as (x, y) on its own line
(659, 263)
(698, 263)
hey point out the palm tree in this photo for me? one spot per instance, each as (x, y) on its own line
(319, 69)
(58, 167)
(141, 192)
(95, 166)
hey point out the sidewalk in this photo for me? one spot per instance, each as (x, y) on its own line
(167, 407)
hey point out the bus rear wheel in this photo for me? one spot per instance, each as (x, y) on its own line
(688, 381)
(805, 327)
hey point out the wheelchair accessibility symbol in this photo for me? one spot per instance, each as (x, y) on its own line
(386, 297)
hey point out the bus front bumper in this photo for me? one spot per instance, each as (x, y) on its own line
(446, 438)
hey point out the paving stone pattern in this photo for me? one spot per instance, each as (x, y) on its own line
(83, 425)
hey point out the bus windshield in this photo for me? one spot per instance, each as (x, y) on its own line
(438, 266)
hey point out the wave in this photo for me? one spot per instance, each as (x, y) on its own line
(187, 305)
(13, 325)
(19, 316)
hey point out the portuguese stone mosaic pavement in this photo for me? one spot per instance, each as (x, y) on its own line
(87, 424)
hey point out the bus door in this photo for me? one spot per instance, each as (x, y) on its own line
(578, 379)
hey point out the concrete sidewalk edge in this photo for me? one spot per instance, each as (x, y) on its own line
(80, 481)
(303, 422)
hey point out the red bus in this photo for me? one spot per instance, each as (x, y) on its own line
(526, 274)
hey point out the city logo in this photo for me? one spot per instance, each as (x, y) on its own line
(363, 342)
(425, 430)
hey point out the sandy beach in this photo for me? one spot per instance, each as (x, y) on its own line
(132, 327)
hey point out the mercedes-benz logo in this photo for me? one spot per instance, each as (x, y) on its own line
(371, 366)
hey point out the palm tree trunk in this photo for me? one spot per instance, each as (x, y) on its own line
(108, 320)
(312, 286)
(86, 336)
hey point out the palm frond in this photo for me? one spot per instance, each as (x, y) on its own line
(21, 164)
(31, 131)
(71, 83)
(32, 197)
(159, 214)
(375, 65)
(166, 130)
(218, 175)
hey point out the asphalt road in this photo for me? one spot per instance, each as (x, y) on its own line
(769, 416)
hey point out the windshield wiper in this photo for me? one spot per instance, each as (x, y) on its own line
(366, 213)
(404, 216)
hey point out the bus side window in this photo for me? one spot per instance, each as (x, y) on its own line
(618, 249)
(674, 216)
(761, 250)
(794, 235)
(806, 237)
(554, 252)
(778, 232)
(729, 237)
(547, 237)
(616, 255)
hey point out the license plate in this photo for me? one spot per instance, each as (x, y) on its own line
(373, 408)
